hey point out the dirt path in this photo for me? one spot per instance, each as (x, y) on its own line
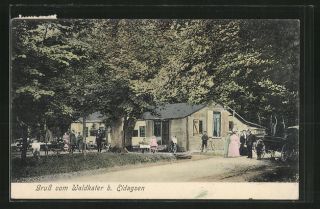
(212, 169)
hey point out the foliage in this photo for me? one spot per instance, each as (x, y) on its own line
(232, 62)
(65, 69)
(77, 162)
(41, 62)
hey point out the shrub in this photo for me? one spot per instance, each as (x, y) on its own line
(77, 162)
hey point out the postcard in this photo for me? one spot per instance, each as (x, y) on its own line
(154, 108)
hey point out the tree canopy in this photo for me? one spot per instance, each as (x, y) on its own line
(65, 69)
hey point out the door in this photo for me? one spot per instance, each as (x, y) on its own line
(165, 132)
(161, 130)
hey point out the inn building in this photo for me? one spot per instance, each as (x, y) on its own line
(185, 121)
(188, 122)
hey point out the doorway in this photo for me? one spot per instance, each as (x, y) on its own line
(165, 132)
(161, 129)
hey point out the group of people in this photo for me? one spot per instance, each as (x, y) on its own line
(235, 146)
(72, 141)
(154, 144)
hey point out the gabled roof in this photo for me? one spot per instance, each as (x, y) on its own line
(182, 110)
(172, 111)
(231, 111)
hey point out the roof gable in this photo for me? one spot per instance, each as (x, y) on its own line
(172, 111)
(182, 110)
(231, 111)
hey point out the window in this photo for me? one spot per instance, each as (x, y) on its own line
(231, 125)
(216, 124)
(142, 130)
(200, 127)
(157, 128)
(87, 131)
(135, 133)
(197, 127)
(103, 131)
(93, 132)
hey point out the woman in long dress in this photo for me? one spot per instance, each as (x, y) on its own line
(226, 144)
(234, 145)
(66, 141)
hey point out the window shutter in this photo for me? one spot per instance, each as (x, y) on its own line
(195, 127)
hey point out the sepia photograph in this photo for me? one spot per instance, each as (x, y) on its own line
(154, 108)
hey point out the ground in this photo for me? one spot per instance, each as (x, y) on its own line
(211, 169)
(201, 168)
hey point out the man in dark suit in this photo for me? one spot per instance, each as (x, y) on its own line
(251, 138)
(73, 141)
(243, 143)
(204, 140)
(99, 140)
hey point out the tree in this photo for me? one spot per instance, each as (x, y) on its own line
(234, 62)
(42, 55)
(66, 69)
(121, 61)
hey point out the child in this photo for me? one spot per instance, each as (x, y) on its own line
(259, 148)
(153, 144)
(174, 142)
(36, 149)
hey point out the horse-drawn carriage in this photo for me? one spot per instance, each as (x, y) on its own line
(288, 145)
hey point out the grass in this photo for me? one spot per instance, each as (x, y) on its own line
(280, 172)
(78, 162)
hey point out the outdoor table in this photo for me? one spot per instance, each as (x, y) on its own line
(144, 147)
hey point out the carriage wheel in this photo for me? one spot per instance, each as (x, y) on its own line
(285, 153)
(295, 155)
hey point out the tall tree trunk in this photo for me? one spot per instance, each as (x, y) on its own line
(24, 135)
(129, 127)
(117, 133)
(125, 125)
(45, 126)
(271, 125)
(275, 126)
(84, 133)
(259, 118)
(283, 123)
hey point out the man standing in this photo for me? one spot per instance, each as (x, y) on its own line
(243, 141)
(99, 140)
(80, 142)
(48, 138)
(73, 141)
(250, 140)
(204, 139)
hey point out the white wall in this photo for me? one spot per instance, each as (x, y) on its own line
(136, 140)
(78, 127)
